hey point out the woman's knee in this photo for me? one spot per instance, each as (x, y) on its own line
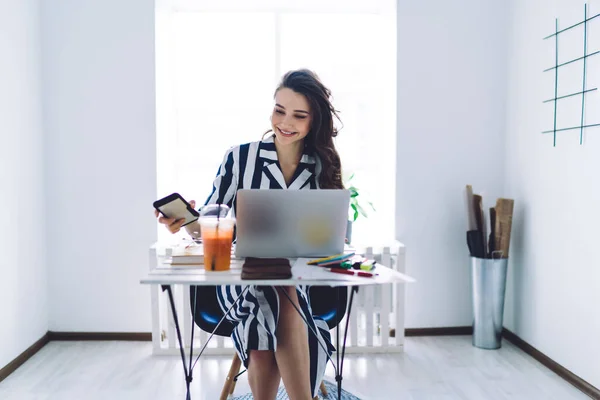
(261, 360)
(261, 366)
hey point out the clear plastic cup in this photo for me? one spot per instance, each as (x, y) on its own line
(217, 236)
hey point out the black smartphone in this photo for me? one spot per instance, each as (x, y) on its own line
(175, 206)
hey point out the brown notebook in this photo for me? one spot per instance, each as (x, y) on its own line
(266, 268)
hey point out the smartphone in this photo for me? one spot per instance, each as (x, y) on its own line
(175, 206)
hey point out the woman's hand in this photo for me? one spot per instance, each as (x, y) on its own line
(172, 224)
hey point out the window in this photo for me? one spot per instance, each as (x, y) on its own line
(218, 63)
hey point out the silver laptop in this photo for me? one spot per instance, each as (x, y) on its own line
(291, 223)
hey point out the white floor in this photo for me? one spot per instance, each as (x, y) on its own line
(430, 368)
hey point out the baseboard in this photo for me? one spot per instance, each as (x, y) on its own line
(102, 336)
(24, 356)
(448, 331)
(552, 365)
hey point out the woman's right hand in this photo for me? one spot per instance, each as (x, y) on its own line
(172, 224)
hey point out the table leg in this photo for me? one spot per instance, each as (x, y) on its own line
(340, 367)
(188, 372)
(192, 335)
(338, 376)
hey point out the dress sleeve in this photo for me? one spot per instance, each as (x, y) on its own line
(226, 182)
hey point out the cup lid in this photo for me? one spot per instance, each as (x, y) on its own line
(214, 210)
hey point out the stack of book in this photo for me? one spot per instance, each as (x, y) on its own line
(186, 254)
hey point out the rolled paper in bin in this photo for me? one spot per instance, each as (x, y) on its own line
(488, 285)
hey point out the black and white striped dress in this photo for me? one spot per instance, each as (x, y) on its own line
(255, 166)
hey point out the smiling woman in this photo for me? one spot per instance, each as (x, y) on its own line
(269, 336)
(302, 105)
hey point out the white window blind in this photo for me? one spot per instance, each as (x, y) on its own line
(218, 64)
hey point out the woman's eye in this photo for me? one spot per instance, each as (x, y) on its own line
(279, 112)
(300, 116)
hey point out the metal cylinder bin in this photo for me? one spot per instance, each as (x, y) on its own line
(488, 285)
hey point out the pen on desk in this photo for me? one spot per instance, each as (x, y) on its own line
(352, 272)
(336, 257)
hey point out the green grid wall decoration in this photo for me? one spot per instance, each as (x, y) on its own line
(584, 90)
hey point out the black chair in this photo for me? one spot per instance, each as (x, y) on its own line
(208, 313)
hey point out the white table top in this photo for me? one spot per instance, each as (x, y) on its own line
(165, 274)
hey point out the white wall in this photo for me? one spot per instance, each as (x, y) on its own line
(101, 169)
(554, 276)
(23, 285)
(451, 117)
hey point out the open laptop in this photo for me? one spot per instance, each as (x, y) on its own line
(291, 223)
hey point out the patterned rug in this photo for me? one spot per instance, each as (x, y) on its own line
(331, 394)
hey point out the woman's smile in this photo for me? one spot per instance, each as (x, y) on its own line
(286, 132)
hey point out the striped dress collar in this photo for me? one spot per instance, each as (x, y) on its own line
(272, 170)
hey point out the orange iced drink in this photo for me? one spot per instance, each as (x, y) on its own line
(217, 235)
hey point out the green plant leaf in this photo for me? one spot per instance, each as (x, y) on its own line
(354, 207)
(361, 210)
(357, 209)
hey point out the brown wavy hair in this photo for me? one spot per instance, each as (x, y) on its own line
(322, 131)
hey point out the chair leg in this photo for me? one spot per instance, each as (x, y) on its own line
(237, 365)
(323, 389)
(229, 384)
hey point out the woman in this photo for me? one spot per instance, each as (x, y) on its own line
(270, 336)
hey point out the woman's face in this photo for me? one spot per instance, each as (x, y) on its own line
(291, 117)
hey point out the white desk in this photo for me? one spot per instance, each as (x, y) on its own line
(167, 275)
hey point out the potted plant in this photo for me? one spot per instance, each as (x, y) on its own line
(356, 206)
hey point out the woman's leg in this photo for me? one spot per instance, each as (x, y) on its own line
(263, 375)
(292, 347)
